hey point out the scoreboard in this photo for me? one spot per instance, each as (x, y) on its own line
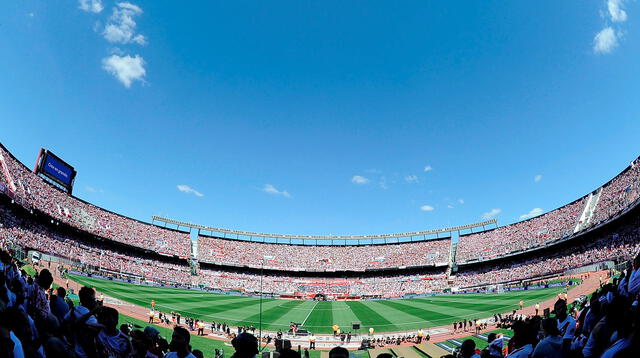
(56, 169)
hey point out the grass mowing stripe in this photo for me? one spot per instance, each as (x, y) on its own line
(487, 306)
(273, 313)
(369, 317)
(506, 297)
(156, 293)
(209, 312)
(322, 317)
(309, 314)
(424, 314)
(225, 306)
(401, 314)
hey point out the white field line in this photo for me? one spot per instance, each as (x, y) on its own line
(309, 314)
(399, 324)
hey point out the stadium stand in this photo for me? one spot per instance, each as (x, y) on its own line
(618, 245)
(606, 325)
(29, 234)
(618, 194)
(285, 284)
(524, 235)
(23, 230)
(96, 245)
(34, 215)
(37, 194)
(323, 258)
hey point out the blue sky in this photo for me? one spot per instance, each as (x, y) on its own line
(320, 117)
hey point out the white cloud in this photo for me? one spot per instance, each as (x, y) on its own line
(427, 208)
(450, 206)
(533, 213)
(268, 188)
(92, 189)
(616, 12)
(460, 201)
(537, 178)
(121, 27)
(491, 214)
(605, 41)
(189, 190)
(125, 68)
(358, 179)
(94, 6)
(411, 179)
(428, 168)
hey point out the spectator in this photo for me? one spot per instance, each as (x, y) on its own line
(245, 345)
(494, 349)
(566, 324)
(338, 352)
(551, 345)
(111, 341)
(39, 304)
(82, 325)
(600, 337)
(524, 338)
(468, 349)
(179, 346)
(58, 305)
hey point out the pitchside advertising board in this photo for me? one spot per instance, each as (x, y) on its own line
(56, 169)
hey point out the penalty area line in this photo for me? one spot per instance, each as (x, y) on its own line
(309, 314)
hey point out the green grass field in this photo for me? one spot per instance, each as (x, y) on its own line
(318, 317)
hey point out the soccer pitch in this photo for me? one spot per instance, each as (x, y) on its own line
(318, 317)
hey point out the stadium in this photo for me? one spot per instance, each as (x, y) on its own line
(319, 179)
(360, 292)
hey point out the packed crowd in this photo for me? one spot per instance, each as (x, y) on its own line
(375, 286)
(618, 194)
(527, 234)
(605, 326)
(615, 196)
(37, 321)
(98, 257)
(26, 233)
(320, 258)
(45, 197)
(622, 244)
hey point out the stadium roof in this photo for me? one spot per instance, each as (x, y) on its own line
(324, 237)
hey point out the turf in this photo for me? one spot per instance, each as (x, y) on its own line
(207, 346)
(318, 317)
(29, 270)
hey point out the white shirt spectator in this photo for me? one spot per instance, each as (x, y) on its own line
(567, 327)
(549, 347)
(522, 352)
(634, 283)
